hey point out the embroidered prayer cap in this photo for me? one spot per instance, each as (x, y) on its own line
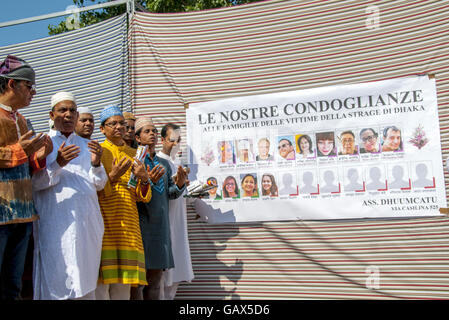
(84, 110)
(18, 69)
(109, 111)
(142, 122)
(62, 96)
(129, 116)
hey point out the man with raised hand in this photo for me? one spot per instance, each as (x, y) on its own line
(154, 216)
(19, 153)
(68, 236)
(171, 142)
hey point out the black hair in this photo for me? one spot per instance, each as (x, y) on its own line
(236, 190)
(256, 189)
(309, 140)
(168, 126)
(285, 139)
(273, 189)
(4, 84)
(393, 128)
(347, 132)
(366, 129)
(325, 136)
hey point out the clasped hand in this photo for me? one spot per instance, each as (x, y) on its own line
(41, 145)
(119, 168)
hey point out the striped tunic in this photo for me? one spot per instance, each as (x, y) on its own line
(122, 255)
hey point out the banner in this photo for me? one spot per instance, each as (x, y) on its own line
(369, 150)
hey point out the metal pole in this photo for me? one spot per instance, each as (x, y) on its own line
(67, 12)
(130, 9)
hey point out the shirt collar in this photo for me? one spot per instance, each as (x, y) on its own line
(156, 156)
(52, 133)
(55, 133)
(121, 148)
(12, 113)
(7, 108)
(162, 155)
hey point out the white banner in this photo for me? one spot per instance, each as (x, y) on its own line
(364, 150)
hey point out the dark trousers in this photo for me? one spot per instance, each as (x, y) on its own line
(14, 239)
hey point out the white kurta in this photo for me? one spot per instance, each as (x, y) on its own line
(179, 237)
(68, 236)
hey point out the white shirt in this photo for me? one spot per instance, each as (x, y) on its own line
(68, 236)
(179, 237)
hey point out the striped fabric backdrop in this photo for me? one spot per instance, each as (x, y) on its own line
(90, 62)
(275, 46)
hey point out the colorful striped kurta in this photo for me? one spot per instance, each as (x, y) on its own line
(122, 255)
(16, 199)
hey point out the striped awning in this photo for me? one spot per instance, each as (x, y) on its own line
(90, 62)
(276, 46)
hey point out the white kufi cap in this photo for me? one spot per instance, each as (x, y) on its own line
(84, 110)
(61, 96)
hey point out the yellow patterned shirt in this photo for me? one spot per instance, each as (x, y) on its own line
(122, 256)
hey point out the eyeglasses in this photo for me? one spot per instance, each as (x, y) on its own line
(129, 128)
(31, 87)
(114, 124)
(347, 141)
(284, 145)
(368, 138)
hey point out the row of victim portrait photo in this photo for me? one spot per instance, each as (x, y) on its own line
(398, 176)
(344, 142)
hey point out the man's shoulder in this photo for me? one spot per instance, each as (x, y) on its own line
(77, 140)
(163, 161)
(130, 150)
(80, 139)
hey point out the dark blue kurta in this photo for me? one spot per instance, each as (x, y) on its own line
(154, 220)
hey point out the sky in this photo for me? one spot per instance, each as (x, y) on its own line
(18, 9)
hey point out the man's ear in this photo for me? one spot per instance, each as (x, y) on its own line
(52, 115)
(102, 129)
(137, 138)
(11, 84)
